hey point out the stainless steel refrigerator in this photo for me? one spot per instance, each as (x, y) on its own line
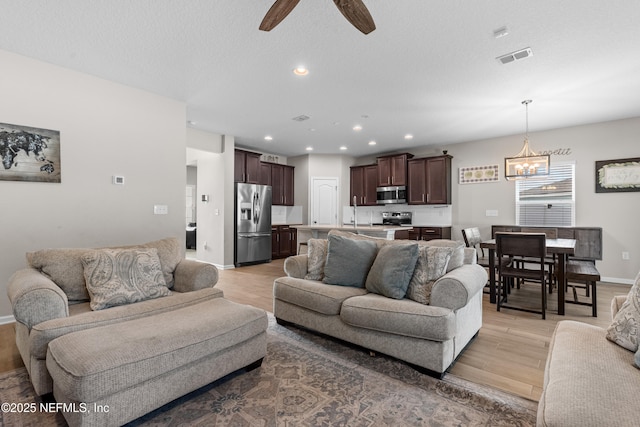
(253, 224)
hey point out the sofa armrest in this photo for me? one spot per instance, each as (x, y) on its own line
(191, 275)
(456, 288)
(296, 266)
(35, 298)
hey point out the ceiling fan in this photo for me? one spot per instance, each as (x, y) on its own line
(354, 10)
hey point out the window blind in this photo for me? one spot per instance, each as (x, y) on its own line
(547, 201)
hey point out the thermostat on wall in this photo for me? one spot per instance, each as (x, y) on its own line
(118, 180)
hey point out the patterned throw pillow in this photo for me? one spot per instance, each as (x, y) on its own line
(431, 265)
(316, 258)
(626, 323)
(123, 276)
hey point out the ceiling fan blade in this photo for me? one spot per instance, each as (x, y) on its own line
(278, 11)
(357, 13)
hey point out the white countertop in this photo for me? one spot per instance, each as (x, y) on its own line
(351, 227)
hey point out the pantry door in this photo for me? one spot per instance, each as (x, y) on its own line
(324, 201)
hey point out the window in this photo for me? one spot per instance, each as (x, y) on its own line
(548, 201)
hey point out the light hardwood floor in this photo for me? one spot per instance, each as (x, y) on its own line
(509, 353)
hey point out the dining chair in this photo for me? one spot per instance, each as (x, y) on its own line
(472, 239)
(510, 249)
(549, 261)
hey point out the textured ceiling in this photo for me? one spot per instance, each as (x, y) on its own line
(429, 69)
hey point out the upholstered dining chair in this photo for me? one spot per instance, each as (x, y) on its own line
(510, 249)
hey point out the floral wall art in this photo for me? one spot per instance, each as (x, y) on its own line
(479, 174)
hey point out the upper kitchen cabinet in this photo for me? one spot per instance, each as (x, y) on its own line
(392, 170)
(247, 167)
(364, 180)
(281, 183)
(429, 181)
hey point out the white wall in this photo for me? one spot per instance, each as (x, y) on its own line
(105, 129)
(616, 213)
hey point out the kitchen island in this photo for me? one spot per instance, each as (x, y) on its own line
(306, 232)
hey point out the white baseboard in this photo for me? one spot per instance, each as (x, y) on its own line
(224, 267)
(7, 319)
(617, 280)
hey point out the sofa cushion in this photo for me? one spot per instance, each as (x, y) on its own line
(392, 269)
(401, 317)
(316, 258)
(123, 276)
(457, 256)
(64, 267)
(83, 318)
(314, 295)
(625, 327)
(588, 380)
(431, 265)
(348, 261)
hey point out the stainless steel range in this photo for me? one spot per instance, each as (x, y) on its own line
(396, 218)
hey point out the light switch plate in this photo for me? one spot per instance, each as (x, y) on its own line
(491, 212)
(160, 209)
(118, 180)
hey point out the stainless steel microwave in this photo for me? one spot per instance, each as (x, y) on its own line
(389, 195)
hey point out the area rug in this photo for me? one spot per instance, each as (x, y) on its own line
(312, 380)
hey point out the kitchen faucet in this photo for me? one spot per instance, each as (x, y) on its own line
(355, 213)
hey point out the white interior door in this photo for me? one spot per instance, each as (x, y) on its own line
(324, 201)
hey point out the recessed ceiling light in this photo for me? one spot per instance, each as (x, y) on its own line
(309, 148)
(343, 148)
(268, 138)
(357, 128)
(312, 129)
(300, 71)
(408, 136)
(372, 143)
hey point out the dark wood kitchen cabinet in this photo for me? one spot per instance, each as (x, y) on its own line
(429, 181)
(246, 167)
(430, 233)
(280, 178)
(392, 170)
(284, 241)
(363, 185)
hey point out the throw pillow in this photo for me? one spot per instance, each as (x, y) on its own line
(316, 258)
(457, 255)
(348, 261)
(122, 276)
(379, 241)
(392, 270)
(626, 323)
(431, 265)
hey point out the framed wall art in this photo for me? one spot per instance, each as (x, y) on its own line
(479, 174)
(620, 175)
(29, 154)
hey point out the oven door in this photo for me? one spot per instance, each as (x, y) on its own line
(390, 195)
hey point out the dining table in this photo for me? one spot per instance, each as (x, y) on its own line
(562, 248)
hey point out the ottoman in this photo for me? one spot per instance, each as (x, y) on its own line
(114, 374)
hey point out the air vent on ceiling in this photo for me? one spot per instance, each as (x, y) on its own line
(301, 118)
(514, 56)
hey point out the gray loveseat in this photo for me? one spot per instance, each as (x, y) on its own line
(592, 378)
(50, 299)
(428, 336)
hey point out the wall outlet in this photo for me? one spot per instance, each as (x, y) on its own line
(491, 212)
(625, 256)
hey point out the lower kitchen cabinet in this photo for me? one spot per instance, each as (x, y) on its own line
(430, 233)
(284, 241)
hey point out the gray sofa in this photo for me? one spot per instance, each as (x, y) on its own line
(589, 380)
(50, 299)
(428, 336)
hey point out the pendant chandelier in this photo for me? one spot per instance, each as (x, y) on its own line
(526, 164)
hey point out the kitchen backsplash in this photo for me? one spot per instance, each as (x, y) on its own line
(286, 215)
(421, 215)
